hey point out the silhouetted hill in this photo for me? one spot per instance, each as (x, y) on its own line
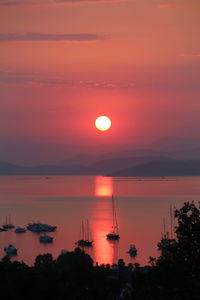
(35, 153)
(83, 159)
(11, 169)
(159, 168)
(93, 159)
(187, 154)
(168, 147)
(100, 167)
(115, 164)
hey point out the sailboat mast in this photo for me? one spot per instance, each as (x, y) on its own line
(171, 222)
(164, 228)
(115, 225)
(83, 231)
(87, 230)
(113, 217)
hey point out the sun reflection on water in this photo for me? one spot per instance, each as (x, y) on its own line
(105, 251)
(103, 186)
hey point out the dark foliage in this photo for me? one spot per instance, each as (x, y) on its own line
(71, 276)
(175, 275)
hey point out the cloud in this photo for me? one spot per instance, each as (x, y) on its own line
(12, 78)
(14, 3)
(23, 79)
(10, 3)
(68, 37)
(107, 84)
(190, 54)
(159, 3)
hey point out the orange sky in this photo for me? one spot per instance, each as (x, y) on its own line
(62, 63)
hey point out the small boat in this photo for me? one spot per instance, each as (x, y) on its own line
(2, 229)
(85, 240)
(8, 225)
(132, 250)
(20, 230)
(46, 239)
(40, 227)
(84, 243)
(114, 235)
(10, 250)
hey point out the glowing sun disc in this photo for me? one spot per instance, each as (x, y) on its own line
(103, 123)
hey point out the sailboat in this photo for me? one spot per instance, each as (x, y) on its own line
(166, 240)
(85, 240)
(8, 224)
(114, 235)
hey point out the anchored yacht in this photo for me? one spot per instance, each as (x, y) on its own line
(85, 240)
(8, 224)
(114, 235)
(46, 239)
(20, 230)
(40, 227)
(132, 250)
(10, 250)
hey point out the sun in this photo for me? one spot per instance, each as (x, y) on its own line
(103, 123)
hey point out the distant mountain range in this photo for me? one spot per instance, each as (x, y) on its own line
(174, 148)
(172, 156)
(160, 169)
(148, 169)
(24, 152)
(11, 169)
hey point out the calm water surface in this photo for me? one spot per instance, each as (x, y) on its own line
(65, 201)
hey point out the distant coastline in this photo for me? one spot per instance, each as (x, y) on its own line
(148, 169)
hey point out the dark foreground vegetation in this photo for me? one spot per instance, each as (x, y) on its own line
(175, 275)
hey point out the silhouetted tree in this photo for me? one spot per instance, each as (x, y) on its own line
(175, 275)
(188, 233)
(77, 265)
(44, 261)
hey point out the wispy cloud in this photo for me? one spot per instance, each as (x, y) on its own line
(24, 79)
(68, 37)
(36, 80)
(107, 84)
(10, 3)
(190, 54)
(15, 3)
